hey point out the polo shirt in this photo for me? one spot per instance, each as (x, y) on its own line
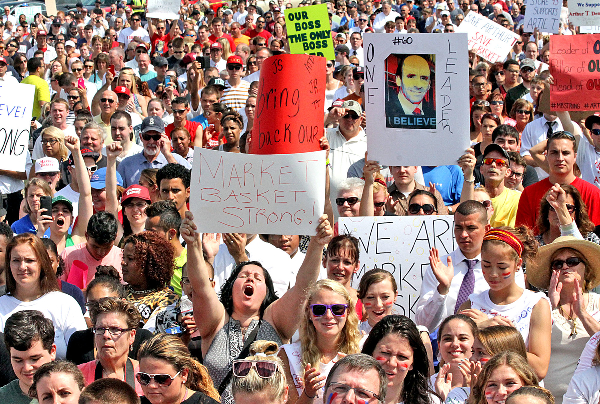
(42, 92)
(131, 167)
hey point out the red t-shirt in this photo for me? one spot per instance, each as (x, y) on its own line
(213, 39)
(189, 125)
(160, 42)
(264, 33)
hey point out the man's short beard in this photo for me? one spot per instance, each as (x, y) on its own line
(151, 151)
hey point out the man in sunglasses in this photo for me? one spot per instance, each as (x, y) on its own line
(527, 72)
(108, 105)
(236, 89)
(360, 373)
(181, 108)
(156, 153)
(134, 32)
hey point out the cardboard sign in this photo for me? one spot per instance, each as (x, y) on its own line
(16, 107)
(488, 39)
(543, 15)
(29, 12)
(247, 193)
(289, 109)
(544, 106)
(584, 12)
(50, 7)
(400, 245)
(164, 9)
(575, 66)
(416, 98)
(589, 29)
(309, 31)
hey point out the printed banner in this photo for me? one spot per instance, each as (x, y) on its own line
(16, 103)
(248, 193)
(164, 9)
(400, 245)
(543, 15)
(309, 31)
(289, 109)
(575, 66)
(488, 39)
(584, 12)
(416, 98)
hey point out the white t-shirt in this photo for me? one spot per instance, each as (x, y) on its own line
(588, 160)
(584, 387)
(127, 35)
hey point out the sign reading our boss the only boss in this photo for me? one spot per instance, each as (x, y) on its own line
(309, 31)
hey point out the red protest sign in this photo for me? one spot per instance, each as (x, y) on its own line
(289, 108)
(575, 66)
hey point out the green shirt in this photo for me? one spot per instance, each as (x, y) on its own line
(42, 92)
(11, 393)
(177, 268)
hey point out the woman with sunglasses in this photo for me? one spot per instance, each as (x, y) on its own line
(114, 323)
(567, 269)
(248, 307)
(489, 122)
(331, 84)
(520, 115)
(497, 105)
(421, 202)
(169, 375)
(20, 66)
(260, 377)
(328, 330)
(251, 66)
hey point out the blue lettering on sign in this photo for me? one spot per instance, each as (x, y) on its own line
(413, 121)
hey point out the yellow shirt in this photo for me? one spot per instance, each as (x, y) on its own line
(42, 92)
(505, 208)
(177, 268)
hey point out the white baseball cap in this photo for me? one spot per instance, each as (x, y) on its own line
(47, 165)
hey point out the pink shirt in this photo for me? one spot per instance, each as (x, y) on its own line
(79, 252)
(89, 374)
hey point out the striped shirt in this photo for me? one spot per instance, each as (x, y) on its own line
(235, 97)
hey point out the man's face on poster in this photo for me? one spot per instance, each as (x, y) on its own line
(415, 80)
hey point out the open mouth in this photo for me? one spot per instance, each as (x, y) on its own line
(379, 312)
(248, 290)
(60, 221)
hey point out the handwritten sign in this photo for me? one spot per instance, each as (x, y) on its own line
(16, 107)
(247, 193)
(289, 108)
(29, 12)
(543, 15)
(589, 29)
(416, 98)
(488, 39)
(584, 12)
(50, 7)
(400, 245)
(164, 9)
(309, 31)
(575, 66)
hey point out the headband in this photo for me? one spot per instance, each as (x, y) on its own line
(378, 180)
(507, 237)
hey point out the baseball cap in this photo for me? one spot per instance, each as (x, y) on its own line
(84, 153)
(160, 61)
(122, 90)
(216, 45)
(98, 180)
(497, 148)
(342, 48)
(340, 34)
(591, 120)
(56, 21)
(189, 58)
(527, 63)
(339, 103)
(445, 12)
(47, 165)
(235, 60)
(153, 123)
(353, 106)
(142, 45)
(120, 6)
(2, 60)
(70, 43)
(227, 11)
(216, 81)
(62, 199)
(42, 33)
(136, 191)
(359, 70)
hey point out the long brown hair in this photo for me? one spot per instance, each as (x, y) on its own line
(582, 220)
(48, 282)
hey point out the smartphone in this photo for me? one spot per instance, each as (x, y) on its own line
(204, 61)
(81, 84)
(46, 203)
(111, 69)
(167, 79)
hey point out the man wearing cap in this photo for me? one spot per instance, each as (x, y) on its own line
(48, 169)
(236, 89)
(156, 154)
(49, 52)
(161, 65)
(134, 31)
(216, 60)
(444, 21)
(7, 78)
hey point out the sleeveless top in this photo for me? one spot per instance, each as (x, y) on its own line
(227, 345)
(136, 102)
(519, 311)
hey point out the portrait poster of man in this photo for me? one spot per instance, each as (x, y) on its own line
(410, 91)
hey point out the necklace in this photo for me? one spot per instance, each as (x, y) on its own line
(572, 318)
(142, 292)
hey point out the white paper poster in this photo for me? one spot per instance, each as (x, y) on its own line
(16, 103)
(488, 39)
(164, 9)
(543, 15)
(416, 98)
(584, 12)
(253, 193)
(400, 245)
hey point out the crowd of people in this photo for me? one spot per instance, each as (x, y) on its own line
(109, 294)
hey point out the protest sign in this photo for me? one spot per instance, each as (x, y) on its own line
(488, 39)
(164, 9)
(50, 7)
(544, 106)
(589, 29)
(16, 106)
(575, 66)
(29, 12)
(248, 193)
(400, 245)
(309, 31)
(543, 15)
(584, 12)
(288, 117)
(416, 98)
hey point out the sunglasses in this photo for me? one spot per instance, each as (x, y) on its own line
(496, 102)
(265, 369)
(109, 100)
(415, 208)
(330, 65)
(135, 20)
(526, 69)
(379, 204)
(358, 76)
(319, 310)
(500, 73)
(147, 137)
(570, 208)
(234, 67)
(499, 162)
(77, 69)
(351, 115)
(557, 265)
(178, 111)
(138, 51)
(595, 132)
(164, 380)
(523, 111)
(72, 97)
(353, 200)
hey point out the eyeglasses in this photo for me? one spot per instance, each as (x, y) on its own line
(92, 169)
(265, 369)
(523, 111)
(570, 208)
(351, 115)
(379, 204)
(72, 97)
(251, 63)
(353, 200)
(89, 66)
(147, 137)
(179, 111)
(178, 52)
(342, 389)
(358, 76)
(109, 100)
(415, 208)
(50, 141)
(571, 262)
(113, 331)
(163, 379)
(516, 174)
(234, 67)
(499, 162)
(595, 132)
(319, 310)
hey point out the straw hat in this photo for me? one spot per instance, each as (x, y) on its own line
(539, 271)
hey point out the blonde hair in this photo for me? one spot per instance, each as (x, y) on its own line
(347, 340)
(226, 47)
(500, 338)
(129, 72)
(40, 183)
(58, 134)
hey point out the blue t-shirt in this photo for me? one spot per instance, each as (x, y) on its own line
(447, 179)
(23, 225)
(201, 119)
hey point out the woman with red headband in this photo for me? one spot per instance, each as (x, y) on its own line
(506, 303)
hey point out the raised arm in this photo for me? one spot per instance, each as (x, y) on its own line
(538, 155)
(86, 207)
(370, 169)
(279, 314)
(113, 150)
(467, 163)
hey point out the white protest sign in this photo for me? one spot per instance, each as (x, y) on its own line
(164, 9)
(400, 245)
(28, 11)
(16, 103)
(254, 193)
(488, 39)
(584, 12)
(416, 98)
(543, 15)
(589, 29)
